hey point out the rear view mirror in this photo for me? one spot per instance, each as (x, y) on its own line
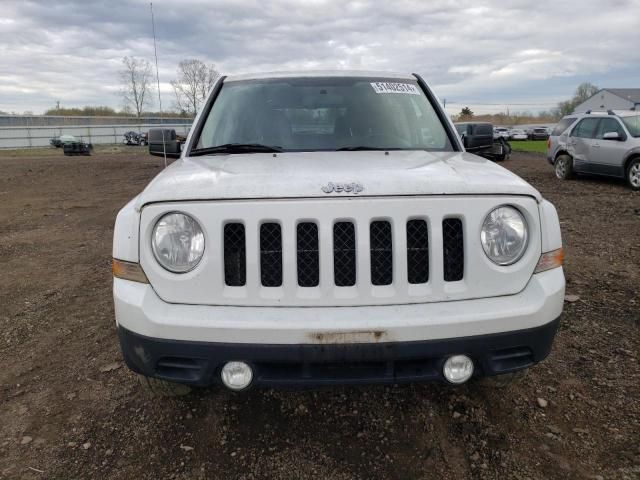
(611, 136)
(163, 140)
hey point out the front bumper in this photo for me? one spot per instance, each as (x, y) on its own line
(326, 345)
(199, 363)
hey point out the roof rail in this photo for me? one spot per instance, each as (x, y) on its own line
(601, 112)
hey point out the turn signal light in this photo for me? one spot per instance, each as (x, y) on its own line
(549, 260)
(128, 271)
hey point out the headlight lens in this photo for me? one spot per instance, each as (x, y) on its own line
(504, 235)
(177, 242)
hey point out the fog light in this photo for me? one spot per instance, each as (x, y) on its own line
(236, 375)
(458, 369)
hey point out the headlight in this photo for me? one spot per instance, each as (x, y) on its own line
(504, 235)
(177, 242)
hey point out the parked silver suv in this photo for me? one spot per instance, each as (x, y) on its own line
(598, 144)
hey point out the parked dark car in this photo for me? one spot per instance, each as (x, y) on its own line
(77, 148)
(479, 138)
(539, 133)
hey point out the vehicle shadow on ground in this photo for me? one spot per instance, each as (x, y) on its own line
(396, 431)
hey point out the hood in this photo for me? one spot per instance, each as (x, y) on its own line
(303, 174)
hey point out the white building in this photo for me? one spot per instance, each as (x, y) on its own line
(611, 99)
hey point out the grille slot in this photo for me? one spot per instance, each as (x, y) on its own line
(344, 254)
(235, 255)
(417, 251)
(453, 249)
(308, 255)
(381, 242)
(271, 255)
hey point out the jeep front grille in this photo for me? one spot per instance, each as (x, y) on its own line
(341, 252)
(381, 254)
(271, 254)
(417, 251)
(344, 254)
(235, 256)
(308, 255)
(452, 249)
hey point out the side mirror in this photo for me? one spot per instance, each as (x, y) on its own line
(163, 140)
(611, 136)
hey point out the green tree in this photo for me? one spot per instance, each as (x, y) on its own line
(465, 114)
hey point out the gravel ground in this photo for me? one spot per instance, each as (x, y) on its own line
(70, 409)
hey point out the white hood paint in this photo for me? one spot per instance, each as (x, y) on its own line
(302, 175)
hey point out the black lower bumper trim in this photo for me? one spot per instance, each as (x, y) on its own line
(199, 363)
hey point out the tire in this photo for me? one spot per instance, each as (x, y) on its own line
(633, 173)
(564, 167)
(161, 388)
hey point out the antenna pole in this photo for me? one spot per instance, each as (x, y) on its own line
(155, 52)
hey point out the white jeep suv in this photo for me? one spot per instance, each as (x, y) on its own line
(328, 227)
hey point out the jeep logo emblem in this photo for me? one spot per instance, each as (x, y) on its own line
(343, 187)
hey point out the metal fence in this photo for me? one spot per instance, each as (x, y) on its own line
(28, 137)
(73, 120)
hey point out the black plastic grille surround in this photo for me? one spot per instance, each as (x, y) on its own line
(381, 245)
(344, 254)
(308, 254)
(417, 251)
(453, 249)
(235, 255)
(271, 254)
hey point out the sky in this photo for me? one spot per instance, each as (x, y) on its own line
(493, 55)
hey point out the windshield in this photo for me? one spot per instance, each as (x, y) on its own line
(633, 125)
(324, 113)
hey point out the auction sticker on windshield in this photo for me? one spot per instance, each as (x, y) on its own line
(387, 87)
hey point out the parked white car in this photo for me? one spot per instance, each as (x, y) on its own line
(325, 228)
(501, 132)
(517, 134)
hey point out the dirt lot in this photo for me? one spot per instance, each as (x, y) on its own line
(69, 409)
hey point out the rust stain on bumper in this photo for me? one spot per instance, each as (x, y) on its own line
(368, 336)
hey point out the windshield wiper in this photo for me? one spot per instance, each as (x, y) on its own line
(364, 147)
(235, 148)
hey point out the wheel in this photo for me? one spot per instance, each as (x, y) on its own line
(503, 381)
(633, 173)
(161, 388)
(564, 167)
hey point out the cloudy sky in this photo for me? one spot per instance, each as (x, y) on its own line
(525, 54)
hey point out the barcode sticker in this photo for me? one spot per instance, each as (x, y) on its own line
(387, 87)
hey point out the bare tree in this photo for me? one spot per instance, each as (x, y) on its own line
(136, 84)
(195, 79)
(584, 91)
